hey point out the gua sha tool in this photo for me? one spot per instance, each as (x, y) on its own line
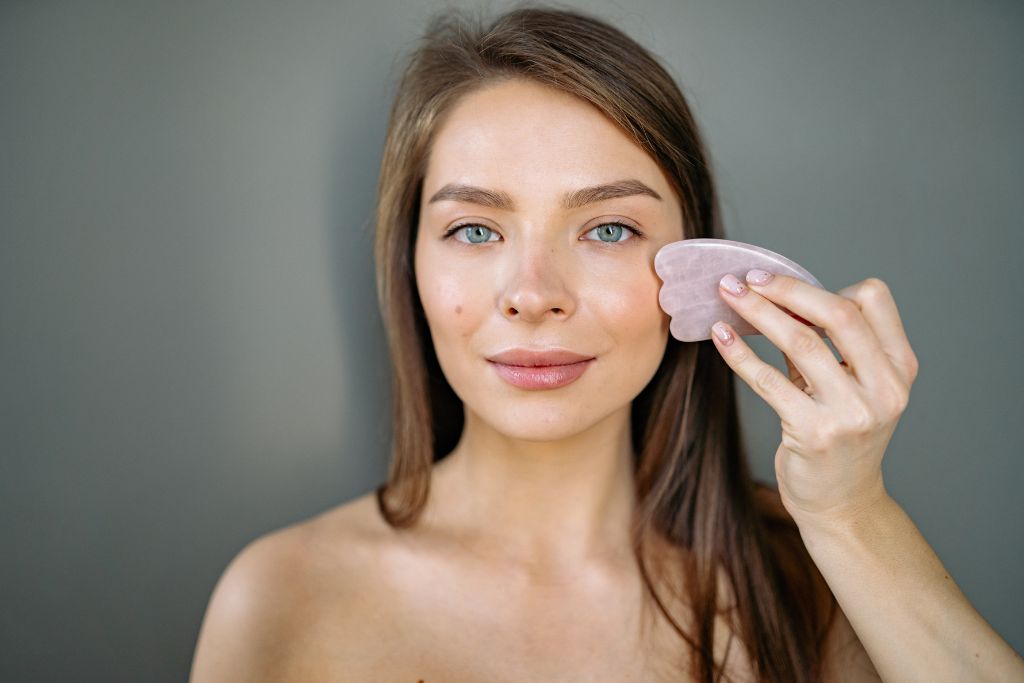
(690, 271)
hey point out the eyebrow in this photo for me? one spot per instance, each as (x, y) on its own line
(571, 200)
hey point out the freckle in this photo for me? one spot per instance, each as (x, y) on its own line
(458, 310)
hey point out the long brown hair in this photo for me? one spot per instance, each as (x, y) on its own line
(693, 484)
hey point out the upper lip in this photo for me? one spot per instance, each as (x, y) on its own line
(535, 358)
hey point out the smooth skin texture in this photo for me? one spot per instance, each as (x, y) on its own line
(521, 567)
(548, 472)
(837, 418)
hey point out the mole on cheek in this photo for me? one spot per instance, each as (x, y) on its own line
(458, 310)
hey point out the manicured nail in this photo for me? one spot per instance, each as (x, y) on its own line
(733, 285)
(759, 277)
(722, 332)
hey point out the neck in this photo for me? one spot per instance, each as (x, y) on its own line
(546, 504)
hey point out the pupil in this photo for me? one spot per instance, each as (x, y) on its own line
(613, 231)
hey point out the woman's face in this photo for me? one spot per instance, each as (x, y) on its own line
(533, 273)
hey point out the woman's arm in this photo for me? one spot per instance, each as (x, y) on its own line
(837, 419)
(910, 616)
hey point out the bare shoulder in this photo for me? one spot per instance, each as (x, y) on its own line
(268, 592)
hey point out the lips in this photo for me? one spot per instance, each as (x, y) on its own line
(548, 369)
(531, 359)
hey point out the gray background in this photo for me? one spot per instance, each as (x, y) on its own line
(191, 351)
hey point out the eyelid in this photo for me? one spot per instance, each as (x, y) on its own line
(637, 233)
(450, 232)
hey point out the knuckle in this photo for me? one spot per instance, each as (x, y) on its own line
(767, 379)
(792, 443)
(741, 356)
(875, 289)
(902, 401)
(804, 341)
(844, 314)
(784, 285)
(860, 419)
(897, 398)
(913, 366)
(825, 434)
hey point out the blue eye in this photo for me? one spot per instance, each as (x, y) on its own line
(478, 234)
(612, 231)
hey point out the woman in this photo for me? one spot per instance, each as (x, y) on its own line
(594, 518)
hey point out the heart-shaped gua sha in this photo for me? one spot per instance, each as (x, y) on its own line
(691, 270)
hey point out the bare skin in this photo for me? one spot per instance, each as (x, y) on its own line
(364, 603)
(521, 566)
(341, 597)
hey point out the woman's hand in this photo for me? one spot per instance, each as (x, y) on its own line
(837, 417)
(912, 620)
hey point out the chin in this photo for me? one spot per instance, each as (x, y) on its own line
(543, 420)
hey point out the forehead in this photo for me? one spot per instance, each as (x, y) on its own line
(527, 135)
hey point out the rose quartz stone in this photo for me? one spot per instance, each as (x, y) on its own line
(690, 271)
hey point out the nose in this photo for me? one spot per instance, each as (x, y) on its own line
(536, 288)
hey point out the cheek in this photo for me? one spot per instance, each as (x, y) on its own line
(452, 305)
(631, 315)
(628, 300)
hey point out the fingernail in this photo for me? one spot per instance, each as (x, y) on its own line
(759, 277)
(733, 285)
(722, 332)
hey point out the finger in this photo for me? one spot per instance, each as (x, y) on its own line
(796, 378)
(765, 379)
(856, 340)
(877, 305)
(804, 346)
(794, 374)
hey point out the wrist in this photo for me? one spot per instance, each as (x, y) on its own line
(867, 515)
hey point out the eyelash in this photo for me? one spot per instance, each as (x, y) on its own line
(455, 228)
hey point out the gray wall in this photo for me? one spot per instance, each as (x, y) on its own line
(191, 352)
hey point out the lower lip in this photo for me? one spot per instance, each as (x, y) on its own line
(542, 377)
